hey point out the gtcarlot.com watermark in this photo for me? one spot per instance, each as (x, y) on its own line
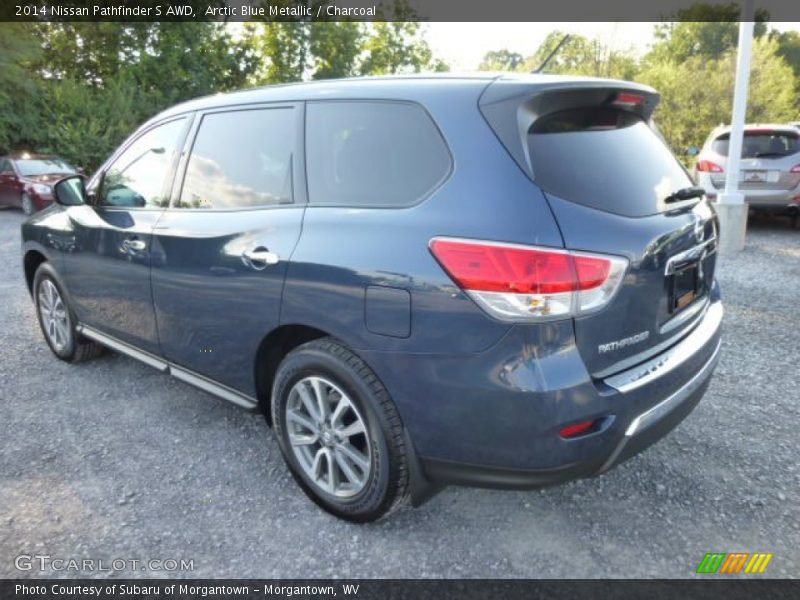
(45, 562)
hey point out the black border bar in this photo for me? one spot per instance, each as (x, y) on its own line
(378, 10)
(705, 587)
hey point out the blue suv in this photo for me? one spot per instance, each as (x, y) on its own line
(421, 281)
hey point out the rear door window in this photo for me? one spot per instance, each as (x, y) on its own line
(604, 158)
(762, 144)
(241, 159)
(382, 154)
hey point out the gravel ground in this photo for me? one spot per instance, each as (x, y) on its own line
(111, 459)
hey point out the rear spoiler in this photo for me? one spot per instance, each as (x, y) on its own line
(511, 104)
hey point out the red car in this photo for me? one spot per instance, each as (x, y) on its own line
(26, 180)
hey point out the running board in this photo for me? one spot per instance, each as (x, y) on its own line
(178, 372)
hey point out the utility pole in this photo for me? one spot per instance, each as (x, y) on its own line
(731, 206)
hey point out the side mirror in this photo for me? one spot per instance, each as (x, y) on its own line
(70, 191)
(693, 151)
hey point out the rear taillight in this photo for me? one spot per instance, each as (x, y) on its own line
(524, 283)
(795, 169)
(706, 166)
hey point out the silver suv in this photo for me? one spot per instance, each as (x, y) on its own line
(770, 167)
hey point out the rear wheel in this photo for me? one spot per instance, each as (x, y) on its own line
(27, 205)
(57, 320)
(339, 431)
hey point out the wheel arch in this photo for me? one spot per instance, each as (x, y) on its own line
(273, 348)
(32, 261)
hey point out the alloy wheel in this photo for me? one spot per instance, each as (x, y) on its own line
(328, 437)
(27, 205)
(55, 319)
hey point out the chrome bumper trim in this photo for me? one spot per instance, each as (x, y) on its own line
(671, 359)
(647, 418)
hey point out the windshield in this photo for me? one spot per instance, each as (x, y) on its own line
(43, 166)
(758, 144)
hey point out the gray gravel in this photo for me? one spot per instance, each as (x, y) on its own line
(113, 460)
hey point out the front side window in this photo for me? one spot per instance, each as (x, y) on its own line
(381, 154)
(241, 159)
(138, 178)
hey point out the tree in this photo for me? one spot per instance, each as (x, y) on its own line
(19, 94)
(335, 48)
(789, 48)
(697, 92)
(501, 60)
(582, 56)
(707, 30)
(293, 50)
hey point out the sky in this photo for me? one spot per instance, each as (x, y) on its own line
(462, 45)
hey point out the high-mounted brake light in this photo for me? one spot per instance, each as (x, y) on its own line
(706, 166)
(628, 100)
(525, 283)
(795, 169)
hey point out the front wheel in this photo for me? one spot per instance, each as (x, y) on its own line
(27, 205)
(57, 320)
(339, 431)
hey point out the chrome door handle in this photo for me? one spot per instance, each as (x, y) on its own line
(260, 256)
(137, 245)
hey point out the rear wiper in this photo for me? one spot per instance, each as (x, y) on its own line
(763, 154)
(686, 193)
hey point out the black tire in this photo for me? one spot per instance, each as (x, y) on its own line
(27, 205)
(77, 348)
(386, 486)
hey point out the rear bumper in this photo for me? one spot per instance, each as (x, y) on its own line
(766, 199)
(492, 419)
(646, 429)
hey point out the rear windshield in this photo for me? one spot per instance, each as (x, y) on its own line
(761, 144)
(604, 158)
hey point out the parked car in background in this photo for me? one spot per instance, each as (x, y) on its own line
(770, 167)
(26, 180)
(421, 281)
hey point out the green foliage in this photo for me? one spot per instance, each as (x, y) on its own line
(19, 94)
(707, 30)
(501, 60)
(697, 93)
(294, 50)
(86, 123)
(578, 56)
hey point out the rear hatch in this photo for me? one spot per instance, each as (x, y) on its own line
(593, 150)
(770, 159)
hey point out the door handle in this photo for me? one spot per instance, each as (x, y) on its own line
(260, 258)
(135, 245)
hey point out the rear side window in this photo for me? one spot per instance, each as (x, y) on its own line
(604, 158)
(382, 154)
(241, 159)
(761, 144)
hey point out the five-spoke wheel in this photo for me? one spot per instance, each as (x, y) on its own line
(339, 431)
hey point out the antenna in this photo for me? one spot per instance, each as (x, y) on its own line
(552, 54)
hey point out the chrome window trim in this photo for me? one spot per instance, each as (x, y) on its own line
(668, 361)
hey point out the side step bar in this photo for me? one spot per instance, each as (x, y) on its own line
(195, 379)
